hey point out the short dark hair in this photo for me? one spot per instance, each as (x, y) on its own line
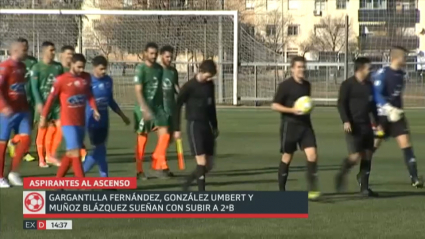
(166, 48)
(360, 62)
(151, 45)
(208, 66)
(22, 40)
(47, 43)
(297, 59)
(78, 57)
(67, 47)
(99, 60)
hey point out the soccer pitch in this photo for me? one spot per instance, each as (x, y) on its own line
(247, 159)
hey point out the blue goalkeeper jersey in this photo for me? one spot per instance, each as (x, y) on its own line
(103, 93)
(388, 85)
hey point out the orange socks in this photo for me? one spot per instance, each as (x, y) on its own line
(57, 140)
(51, 130)
(159, 155)
(41, 150)
(142, 139)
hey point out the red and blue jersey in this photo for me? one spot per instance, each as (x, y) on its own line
(73, 91)
(103, 93)
(12, 86)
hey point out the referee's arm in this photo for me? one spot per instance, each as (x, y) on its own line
(212, 112)
(279, 100)
(181, 100)
(343, 99)
(374, 110)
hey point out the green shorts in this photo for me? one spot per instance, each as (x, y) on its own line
(160, 119)
(54, 113)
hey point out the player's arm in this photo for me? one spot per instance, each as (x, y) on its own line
(212, 112)
(138, 80)
(34, 77)
(3, 88)
(343, 101)
(176, 82)
(90, 98)
(54, 93)
(181, 100)
(378, 88)
(280, 97)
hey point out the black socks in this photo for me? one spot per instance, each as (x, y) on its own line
(283, 175)
(312, 176)
(409, 159)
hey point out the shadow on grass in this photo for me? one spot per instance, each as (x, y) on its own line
(179, 185)
(355, 196)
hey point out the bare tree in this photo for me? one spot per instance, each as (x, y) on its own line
(276, 34)
(306, 46)
(329, 34)
(104, 36)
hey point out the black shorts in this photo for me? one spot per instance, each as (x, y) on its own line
(294, 135)
(360, 139)
(201, 138)
(394, 129)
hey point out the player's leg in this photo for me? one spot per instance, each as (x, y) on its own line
(51, 130)
(308, 145)
(73, 136)
(141, 140)
(98, 155)
(170, 129)
(160, 152)
(400, 132)
(197, 133)
(288, 145)
(5, 131)
(56, 142)
(23, 127)
(28, 156)
(354, 143)
(41, 151)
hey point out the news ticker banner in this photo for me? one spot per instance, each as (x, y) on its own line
(145, 204)
(80, 183)
(48, 224)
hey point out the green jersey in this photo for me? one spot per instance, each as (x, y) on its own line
(65, 69)
(42, 78)
(170, 80)
(150, 78)
(29, 62)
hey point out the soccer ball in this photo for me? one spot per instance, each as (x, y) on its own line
(34, 202)
(304, 104)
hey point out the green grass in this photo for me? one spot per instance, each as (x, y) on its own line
(247, 159)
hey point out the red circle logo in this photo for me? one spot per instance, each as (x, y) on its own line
(34, 202)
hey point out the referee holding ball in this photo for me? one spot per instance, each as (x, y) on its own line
(296, 130)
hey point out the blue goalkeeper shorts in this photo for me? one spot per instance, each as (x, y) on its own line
(74, 136)
(98, 136)
(20, 123)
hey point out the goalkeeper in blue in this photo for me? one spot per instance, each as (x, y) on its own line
(102, 87)
(388, 93)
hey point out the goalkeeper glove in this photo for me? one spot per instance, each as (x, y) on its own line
(393, 114)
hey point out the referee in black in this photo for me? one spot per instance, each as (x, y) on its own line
(356, 106)
(199, 97)
(296, 130)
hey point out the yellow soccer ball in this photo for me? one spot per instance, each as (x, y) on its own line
(304, 104)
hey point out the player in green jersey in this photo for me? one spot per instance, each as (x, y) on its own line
(43, 75)
(29, 62)
(66, 56)
(170, 88)
(149, 111)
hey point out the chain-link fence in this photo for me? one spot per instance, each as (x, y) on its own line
(263, 50)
